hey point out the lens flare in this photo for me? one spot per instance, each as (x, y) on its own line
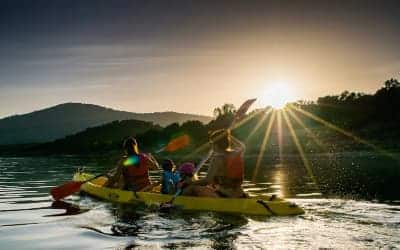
(277, 95)
(131, 161)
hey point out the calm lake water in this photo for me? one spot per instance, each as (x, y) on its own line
(351, 201)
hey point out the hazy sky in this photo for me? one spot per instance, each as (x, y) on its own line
(191, 56)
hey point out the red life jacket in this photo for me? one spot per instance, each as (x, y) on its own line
(137, 175)
(235, 166)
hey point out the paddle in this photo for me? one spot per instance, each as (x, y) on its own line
(238, 116)
(167, 206)
(242, 111)
(71, 187)
(175, 144)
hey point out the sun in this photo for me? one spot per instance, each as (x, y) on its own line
(277, 95)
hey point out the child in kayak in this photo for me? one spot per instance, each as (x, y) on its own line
(185, 185)
(169, 178)
(132, 171)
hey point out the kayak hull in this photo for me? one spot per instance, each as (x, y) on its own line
(251, 206)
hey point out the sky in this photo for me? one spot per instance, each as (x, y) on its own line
(191, 56)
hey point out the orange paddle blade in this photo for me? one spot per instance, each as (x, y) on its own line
(66, 189)
(177, 143)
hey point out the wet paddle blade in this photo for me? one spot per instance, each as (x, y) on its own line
(66, 189)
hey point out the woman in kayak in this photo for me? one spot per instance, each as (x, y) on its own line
(226, 169)
(132, 171)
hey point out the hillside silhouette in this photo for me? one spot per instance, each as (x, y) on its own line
(69, 118)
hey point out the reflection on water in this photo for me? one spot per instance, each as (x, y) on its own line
(30, 220)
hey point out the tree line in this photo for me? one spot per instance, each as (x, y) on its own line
(375, 116)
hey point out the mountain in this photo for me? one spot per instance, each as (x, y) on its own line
(69, 118)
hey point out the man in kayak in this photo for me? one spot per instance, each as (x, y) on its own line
(132, 171)
(226, 169)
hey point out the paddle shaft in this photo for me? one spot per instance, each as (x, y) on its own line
(203, 161)
(93, 178)
(179, 192)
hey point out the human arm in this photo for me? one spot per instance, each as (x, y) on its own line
(115, 174)
(237, 144)
(209, 178)
(152, 162)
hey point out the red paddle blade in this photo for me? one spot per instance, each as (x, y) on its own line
(66, 189)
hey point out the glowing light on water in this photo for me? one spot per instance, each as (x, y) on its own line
(279, 181)
(279, 133)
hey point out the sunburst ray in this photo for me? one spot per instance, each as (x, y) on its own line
(259, 123)
(303, 157)
(263, 145)
(344, 132)
(308, 131)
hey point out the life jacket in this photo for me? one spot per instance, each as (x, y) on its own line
(136, 175)
(235, 166)
(169, 180)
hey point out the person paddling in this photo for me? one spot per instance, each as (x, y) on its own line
(132, 171)
(226, 169)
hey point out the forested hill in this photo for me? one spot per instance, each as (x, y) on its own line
(101, 138)
(69, 118)
(359, 111)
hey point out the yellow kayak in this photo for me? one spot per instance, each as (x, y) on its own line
(263, 205)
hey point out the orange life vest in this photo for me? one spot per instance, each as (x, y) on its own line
(235, 166)
(137, 175)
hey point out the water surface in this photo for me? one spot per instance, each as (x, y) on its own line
(29, 220)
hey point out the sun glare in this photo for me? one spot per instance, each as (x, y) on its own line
(277, 95)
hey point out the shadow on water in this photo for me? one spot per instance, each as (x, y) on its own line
(176, 229)
(70, 208)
